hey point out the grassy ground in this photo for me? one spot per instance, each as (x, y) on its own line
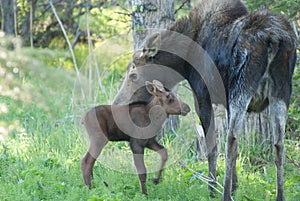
(41, 148)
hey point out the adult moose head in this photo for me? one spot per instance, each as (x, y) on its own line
(254, 56)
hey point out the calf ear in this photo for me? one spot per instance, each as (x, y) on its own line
(156, 88)
(159, 85)
(152, 45)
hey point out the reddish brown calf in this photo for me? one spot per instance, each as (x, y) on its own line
(103, 124)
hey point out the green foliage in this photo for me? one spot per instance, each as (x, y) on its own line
(288, 7)
(293, 126)
(57, 58)
(105, 23)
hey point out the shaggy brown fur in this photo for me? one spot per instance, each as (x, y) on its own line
(255, 56)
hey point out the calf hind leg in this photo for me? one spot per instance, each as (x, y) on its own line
(88, 161)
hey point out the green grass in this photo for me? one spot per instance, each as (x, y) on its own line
(42, 147)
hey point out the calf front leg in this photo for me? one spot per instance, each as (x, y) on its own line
(138, 159)
(153, 144)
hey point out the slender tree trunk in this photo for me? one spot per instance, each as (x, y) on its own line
(7, 16)
(150, 14)
(26, 29)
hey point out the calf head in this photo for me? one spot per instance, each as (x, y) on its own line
(165, 99)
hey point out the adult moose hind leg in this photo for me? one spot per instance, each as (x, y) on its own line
(281, 71)
(279, 115)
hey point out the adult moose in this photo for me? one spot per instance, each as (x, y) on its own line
(255, 56)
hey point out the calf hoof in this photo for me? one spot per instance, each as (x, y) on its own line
(87, 181)
(89, 186)
(155, 181)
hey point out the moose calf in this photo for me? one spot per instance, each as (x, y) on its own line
(131, 123)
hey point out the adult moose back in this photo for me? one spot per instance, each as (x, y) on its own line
(254, 55)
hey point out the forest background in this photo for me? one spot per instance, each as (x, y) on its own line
(54, 67)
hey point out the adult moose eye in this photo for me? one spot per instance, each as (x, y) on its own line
(133, 76)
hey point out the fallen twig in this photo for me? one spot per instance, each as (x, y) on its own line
(204, 178)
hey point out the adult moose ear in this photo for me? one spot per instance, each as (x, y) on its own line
(152, 45)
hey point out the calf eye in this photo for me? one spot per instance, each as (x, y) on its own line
(170, 101)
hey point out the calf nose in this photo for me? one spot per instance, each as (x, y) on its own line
(185, 109)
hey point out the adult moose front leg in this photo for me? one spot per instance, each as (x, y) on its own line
(205, 113)
(212, 149)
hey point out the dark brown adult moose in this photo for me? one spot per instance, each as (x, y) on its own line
(103, 124)
(242, 60)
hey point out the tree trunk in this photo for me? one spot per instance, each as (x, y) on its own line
(7, 16)
(26, 30)
(149, 15)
